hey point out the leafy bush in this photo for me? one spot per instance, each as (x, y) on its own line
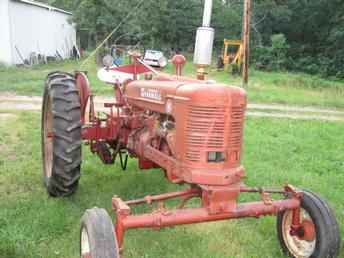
(279, 50)
(321, 65)
(274, 57)
(306, 64)
(279, 56)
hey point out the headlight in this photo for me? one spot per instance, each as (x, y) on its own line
(216, 157)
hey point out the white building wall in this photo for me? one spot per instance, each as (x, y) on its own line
(39, 30)
(5, 38)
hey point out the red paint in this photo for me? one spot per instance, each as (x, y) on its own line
(165, 218)
(84, 92)
(50, 135)
(178, 61)
(190, 129)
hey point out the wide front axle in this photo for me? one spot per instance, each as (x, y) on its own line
(212, 208)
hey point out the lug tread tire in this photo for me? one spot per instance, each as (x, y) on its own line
(327, 228)
(102, 238)
(61, 88)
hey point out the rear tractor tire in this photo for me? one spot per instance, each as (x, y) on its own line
(319, 236)
(97, 235)
(61, 135)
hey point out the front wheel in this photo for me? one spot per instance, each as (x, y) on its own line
(97, 235)
(319, 235)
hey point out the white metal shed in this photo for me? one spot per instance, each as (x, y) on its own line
(28, 27)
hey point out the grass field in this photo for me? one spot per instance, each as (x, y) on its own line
(307, 154)
(264, 87)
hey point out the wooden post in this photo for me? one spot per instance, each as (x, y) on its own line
(246, 40)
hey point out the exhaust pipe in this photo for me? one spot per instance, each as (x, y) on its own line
(204, 42)
(208, 7)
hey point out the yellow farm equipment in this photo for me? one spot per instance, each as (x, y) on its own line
(232, 56)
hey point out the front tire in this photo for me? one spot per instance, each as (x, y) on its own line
(97, 235)
(320, 235)
(61, 135)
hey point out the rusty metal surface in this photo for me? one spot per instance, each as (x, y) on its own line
(179, 61)
(83, 86)
(193, 131)
(165, 218)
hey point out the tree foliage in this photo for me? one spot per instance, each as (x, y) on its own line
(313, 29)
(274, 57)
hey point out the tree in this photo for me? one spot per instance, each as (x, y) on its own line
(313, 28)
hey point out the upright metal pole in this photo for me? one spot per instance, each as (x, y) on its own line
(246, 40)
(208, 7)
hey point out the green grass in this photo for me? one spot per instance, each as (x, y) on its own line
(264, 87)
(29, 81)
(283, 87)
(308, 154)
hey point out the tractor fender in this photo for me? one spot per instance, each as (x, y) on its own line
(84, 89)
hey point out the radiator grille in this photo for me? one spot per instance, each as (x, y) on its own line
(205, 129)
(236, 127)
(208, 128)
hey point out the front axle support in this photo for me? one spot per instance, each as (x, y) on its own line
(163, 217)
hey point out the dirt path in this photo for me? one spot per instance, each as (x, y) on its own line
(289, 108)
(12, 102)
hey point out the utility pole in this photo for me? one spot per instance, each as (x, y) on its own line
(246, 40)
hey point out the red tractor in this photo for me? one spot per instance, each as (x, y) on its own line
(190, 128)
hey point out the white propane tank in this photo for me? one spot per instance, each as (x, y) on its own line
(204, 46)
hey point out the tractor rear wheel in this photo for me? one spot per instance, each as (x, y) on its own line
(97, 235)
(61, 134)
(319, 236)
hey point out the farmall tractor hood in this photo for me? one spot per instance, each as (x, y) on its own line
(158, 93)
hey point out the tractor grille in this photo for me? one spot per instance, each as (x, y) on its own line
(236, 127)
(206, 128)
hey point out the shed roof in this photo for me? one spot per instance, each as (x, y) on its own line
(45, 6)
